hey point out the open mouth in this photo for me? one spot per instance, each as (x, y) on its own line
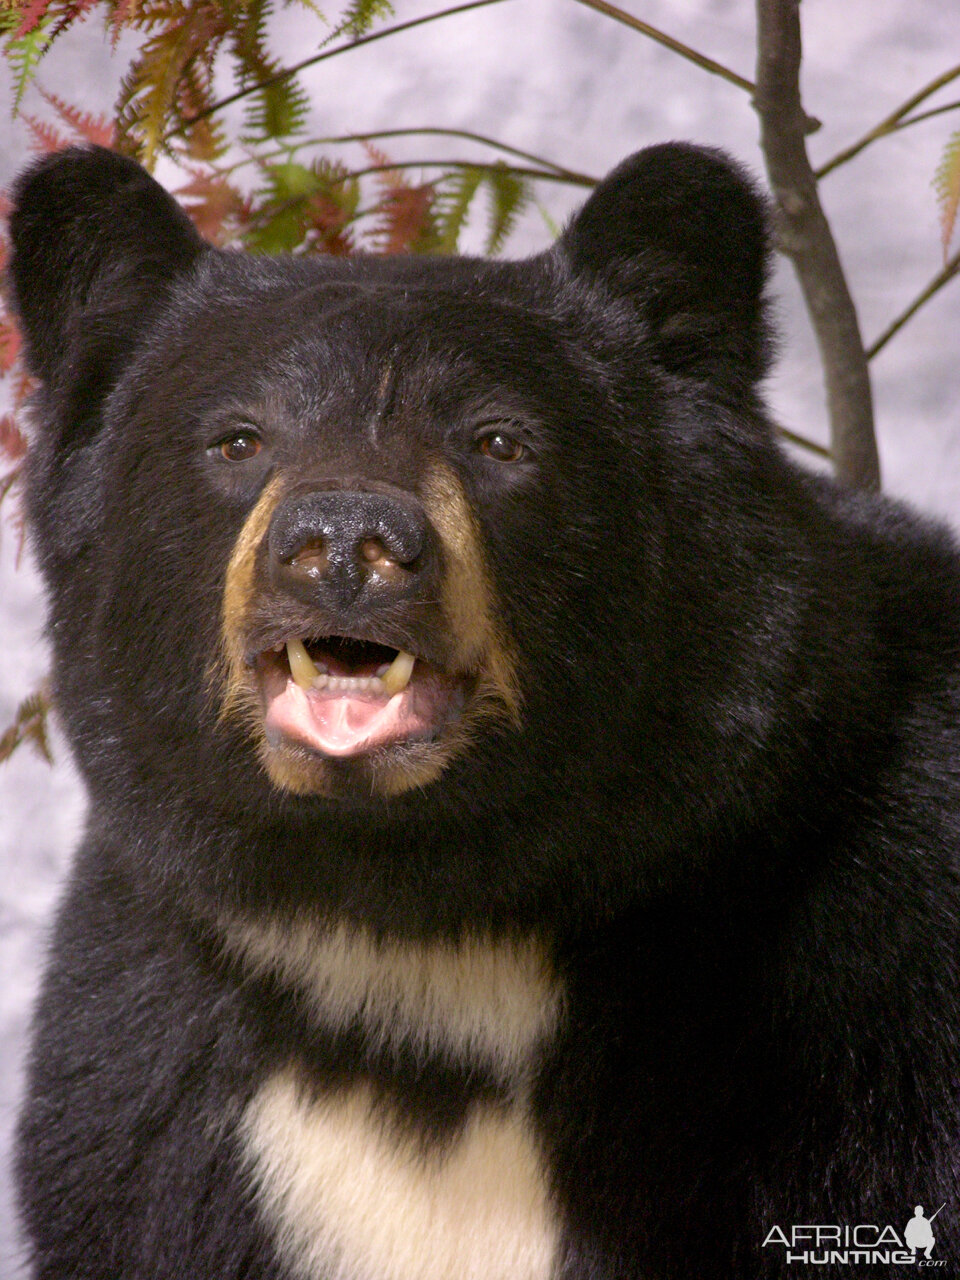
(339, 696)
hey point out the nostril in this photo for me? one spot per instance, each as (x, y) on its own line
(372, 549)
(313, 557)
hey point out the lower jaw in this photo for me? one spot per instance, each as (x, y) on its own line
(379, 774)
(410, 748)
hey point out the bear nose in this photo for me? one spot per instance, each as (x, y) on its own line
(344, 541)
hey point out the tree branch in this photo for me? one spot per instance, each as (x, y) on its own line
(544, 175)
(889, 124)
(708, 64)
(806, 238)
(297, 67)
(465, 134)
(945, 274)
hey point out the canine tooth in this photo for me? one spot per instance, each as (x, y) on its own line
(397, 676)
(301, 666)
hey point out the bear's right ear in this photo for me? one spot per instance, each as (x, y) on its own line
(96, 244)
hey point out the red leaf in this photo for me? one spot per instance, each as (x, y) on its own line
(213, 205)
(32, 14)
(407, 211)
(13, 443)
(328, 226)
(91, 128)
(46, 138)
(123, 11)
(23, 384)
(9, 347)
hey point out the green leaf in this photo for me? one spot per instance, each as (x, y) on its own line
(277, 110)
(290, 181)
(509, 196)
(360, 15)
(281, 232)
(24, 55)
(550, 223)
(453, 206)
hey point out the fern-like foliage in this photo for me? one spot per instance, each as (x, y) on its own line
(29, 725)
(454, 197)
(172, 77)
(219, 211)
(360, 16)
(279, 104)
(946, 183)
(508, 192)
(83, 124)
(299, 208)
(404, 219)
(24, 47)
(509, 195)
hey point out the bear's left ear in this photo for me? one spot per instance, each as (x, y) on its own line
(681, 233)
(97, 244)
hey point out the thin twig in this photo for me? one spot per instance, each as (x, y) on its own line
(521, 171)
(943, 276)
(925, 115)
(297, 67)
(466, 134)
(806, 238)
(708, 64)
(889, 123)
(803, 443)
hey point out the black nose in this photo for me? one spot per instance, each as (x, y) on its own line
(342, 541)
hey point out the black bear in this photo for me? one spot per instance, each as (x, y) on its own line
(524, 805)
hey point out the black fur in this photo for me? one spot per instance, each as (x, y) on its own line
(731, 807)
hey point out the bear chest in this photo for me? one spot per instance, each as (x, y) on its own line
(349, 1195)
(348, 1189)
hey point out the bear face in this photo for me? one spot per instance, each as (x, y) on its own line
(261, 489)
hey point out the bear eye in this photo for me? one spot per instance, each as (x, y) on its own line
(239, 447)
(501, 446)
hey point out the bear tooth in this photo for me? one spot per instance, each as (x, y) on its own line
(301, 665)
(397, 675)
(321, 681)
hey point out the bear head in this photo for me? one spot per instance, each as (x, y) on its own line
(361, 550)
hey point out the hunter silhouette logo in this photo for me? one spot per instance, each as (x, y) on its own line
(918, 1233)
(830, 1244)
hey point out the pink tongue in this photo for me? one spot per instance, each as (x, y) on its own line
(339, 724)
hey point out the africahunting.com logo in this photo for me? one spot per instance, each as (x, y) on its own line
(832, 1245)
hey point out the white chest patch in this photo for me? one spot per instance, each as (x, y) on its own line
(349, 1197)
(478, 1000)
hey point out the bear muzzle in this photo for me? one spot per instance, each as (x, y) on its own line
(359, 633)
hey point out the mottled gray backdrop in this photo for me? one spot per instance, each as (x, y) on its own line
(555, 78)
